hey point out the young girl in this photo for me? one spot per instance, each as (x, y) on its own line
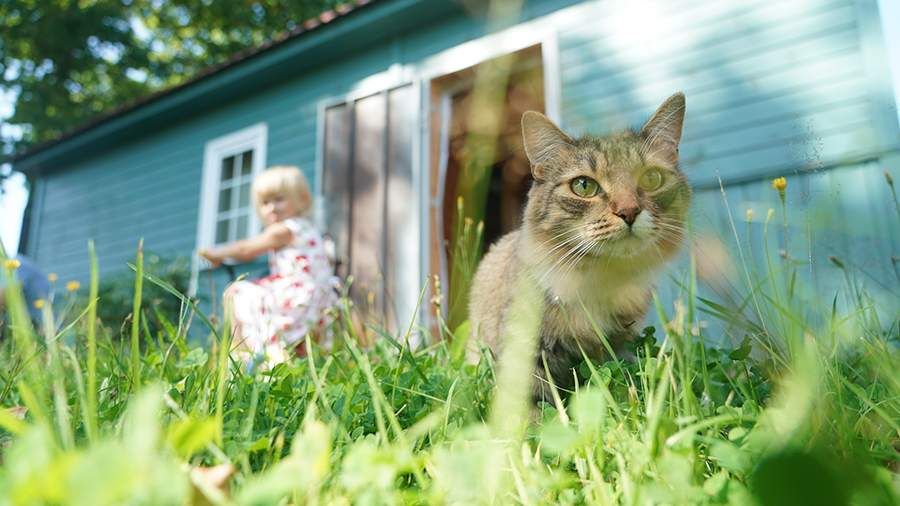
(273, 314)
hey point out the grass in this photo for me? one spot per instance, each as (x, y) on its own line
(804, 409)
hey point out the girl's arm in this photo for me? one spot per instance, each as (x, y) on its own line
(275, 236)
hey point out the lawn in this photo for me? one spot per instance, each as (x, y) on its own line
(804, 408)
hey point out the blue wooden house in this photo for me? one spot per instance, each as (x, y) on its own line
(375, 102)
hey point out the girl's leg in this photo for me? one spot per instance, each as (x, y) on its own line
(249, 316)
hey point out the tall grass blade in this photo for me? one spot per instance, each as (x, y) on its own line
(136, 317)
(91, 323)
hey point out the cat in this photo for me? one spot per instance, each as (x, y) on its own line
(603, 215)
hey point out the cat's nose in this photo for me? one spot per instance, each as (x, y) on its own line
(628, 214)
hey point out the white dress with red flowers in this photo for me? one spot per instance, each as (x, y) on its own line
(273, 314)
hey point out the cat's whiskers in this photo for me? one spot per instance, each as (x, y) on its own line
(579, 254)
(563, 259)
(547, 254)
(671, 231)
(669, 227)
(554, 238)
(590, 251)
(573, 261)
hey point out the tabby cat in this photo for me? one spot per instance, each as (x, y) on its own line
(603, 215)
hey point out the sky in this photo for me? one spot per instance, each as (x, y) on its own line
(15, 196)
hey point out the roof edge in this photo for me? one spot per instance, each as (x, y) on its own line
(309, 36)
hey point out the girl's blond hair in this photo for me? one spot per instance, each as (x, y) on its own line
(286, 181)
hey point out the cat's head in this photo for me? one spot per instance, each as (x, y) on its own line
(620, 196)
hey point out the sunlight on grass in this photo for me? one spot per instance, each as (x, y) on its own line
(804, 410)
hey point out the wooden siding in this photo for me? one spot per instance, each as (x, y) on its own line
(772, 88)
(150, 187)
(846, 213)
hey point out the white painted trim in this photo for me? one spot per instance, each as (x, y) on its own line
(254, 138)
(552, 77)
(319, 168)
(890, 9)
(540, 30)
(416, 140)
(421, 162)
(437, 204)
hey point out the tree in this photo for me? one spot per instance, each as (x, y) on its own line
(66, 61)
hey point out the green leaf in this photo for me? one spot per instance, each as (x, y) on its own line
(259, 445)
(557, 439)
(730, 457)
(589, 410)
(188, 436)
(743, 351)
(194, 358)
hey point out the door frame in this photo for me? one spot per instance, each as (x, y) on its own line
(434, 120)
(540, 31)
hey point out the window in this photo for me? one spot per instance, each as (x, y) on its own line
(229, 165)
(366, 160)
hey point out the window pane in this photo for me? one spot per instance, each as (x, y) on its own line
(227, 168)
(401, 229)
(367, 212)
(247, 165)
(244, 200)
(243, 223)
(336, 181)
(225, 199)
(221, 231)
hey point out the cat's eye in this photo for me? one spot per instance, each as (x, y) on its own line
(584, 187)
(651, 179)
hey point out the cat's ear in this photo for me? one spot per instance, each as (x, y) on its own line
(542, 140)
(663, 130)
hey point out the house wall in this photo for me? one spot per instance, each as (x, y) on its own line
(797, 88)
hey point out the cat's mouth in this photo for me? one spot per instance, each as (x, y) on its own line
(626, 242)
(629, 244)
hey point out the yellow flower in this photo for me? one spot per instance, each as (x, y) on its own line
(39, 304)
(779, 183)
(12, 264)
(52, 277)
(749, 214)
(73, 286)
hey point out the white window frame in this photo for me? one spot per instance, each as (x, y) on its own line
(253, 138)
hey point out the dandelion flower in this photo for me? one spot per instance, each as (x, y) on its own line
(12, 264)
(39, 304)
(780, 184)
(52, 277)
(73, 286)
(749, 214)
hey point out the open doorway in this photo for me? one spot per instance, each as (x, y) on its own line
(479, 172)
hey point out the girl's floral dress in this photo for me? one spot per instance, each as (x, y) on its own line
(273, 314)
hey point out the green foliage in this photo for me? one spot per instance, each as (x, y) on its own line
(465, 253)
(116, 294)
(69, 60)
(807, 416)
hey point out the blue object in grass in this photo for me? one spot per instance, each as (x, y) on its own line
(34, 284)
